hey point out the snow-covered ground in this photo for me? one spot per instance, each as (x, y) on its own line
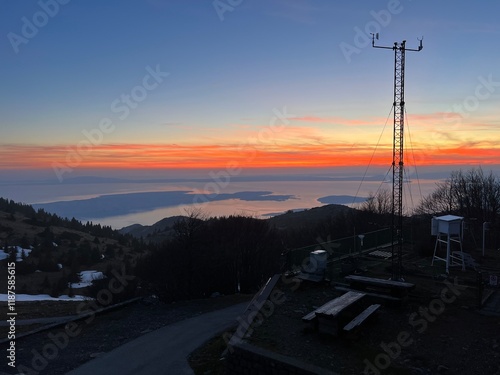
(19, 252)
(42, 297)
(86, 278)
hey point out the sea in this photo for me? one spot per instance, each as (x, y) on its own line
(119, 200)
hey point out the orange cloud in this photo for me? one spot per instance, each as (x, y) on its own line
(248, 155)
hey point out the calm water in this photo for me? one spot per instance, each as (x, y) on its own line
(305, 195)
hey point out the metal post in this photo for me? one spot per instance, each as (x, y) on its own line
(480, 287)
(486, 226)
(484, 232)
(397, 159)
(448, 247)
(361, 237)
(397, 154)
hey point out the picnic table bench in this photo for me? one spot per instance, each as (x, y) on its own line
(393, 288)
(333, 315)
(361, 318)
(372, 296)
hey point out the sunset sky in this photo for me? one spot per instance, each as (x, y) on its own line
(253, 83)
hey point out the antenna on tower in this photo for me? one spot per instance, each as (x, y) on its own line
(397, 151)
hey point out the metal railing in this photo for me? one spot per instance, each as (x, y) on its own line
(343, 247)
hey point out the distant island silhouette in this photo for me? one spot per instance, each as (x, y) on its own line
(341, 199)
(124, 204)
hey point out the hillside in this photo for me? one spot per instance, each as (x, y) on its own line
(309, 217)
(158, 232)
(163, 229)
(174, 257)
(54, 250)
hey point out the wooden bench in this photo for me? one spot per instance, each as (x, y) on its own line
(391, 287)
(376, 297)
(361, 318)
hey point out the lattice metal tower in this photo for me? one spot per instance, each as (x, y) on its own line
(397, 152)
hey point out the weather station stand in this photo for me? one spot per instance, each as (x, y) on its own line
(448, 230)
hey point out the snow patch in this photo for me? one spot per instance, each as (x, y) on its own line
(43, 297)
(86, 278)
(19, 252)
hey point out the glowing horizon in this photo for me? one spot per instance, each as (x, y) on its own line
(162, 94)
(297, 142)
(159, 156)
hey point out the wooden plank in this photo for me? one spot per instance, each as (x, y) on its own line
(309, 317)
(312, 314)
(263, 294)
(333, 307)
(333, 317)
(357, 321)
(254, 307)
(370, 294)
(379, 282)
(341, 303)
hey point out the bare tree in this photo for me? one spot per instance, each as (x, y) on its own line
(471, 194)
(440, 200)
(378, 203)
(185, 228)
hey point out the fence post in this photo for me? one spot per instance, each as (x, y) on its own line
(480, 287)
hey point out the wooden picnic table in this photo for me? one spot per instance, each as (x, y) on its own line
(333, 315)
(335, 306)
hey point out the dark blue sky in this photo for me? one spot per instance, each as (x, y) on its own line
(229, 71)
